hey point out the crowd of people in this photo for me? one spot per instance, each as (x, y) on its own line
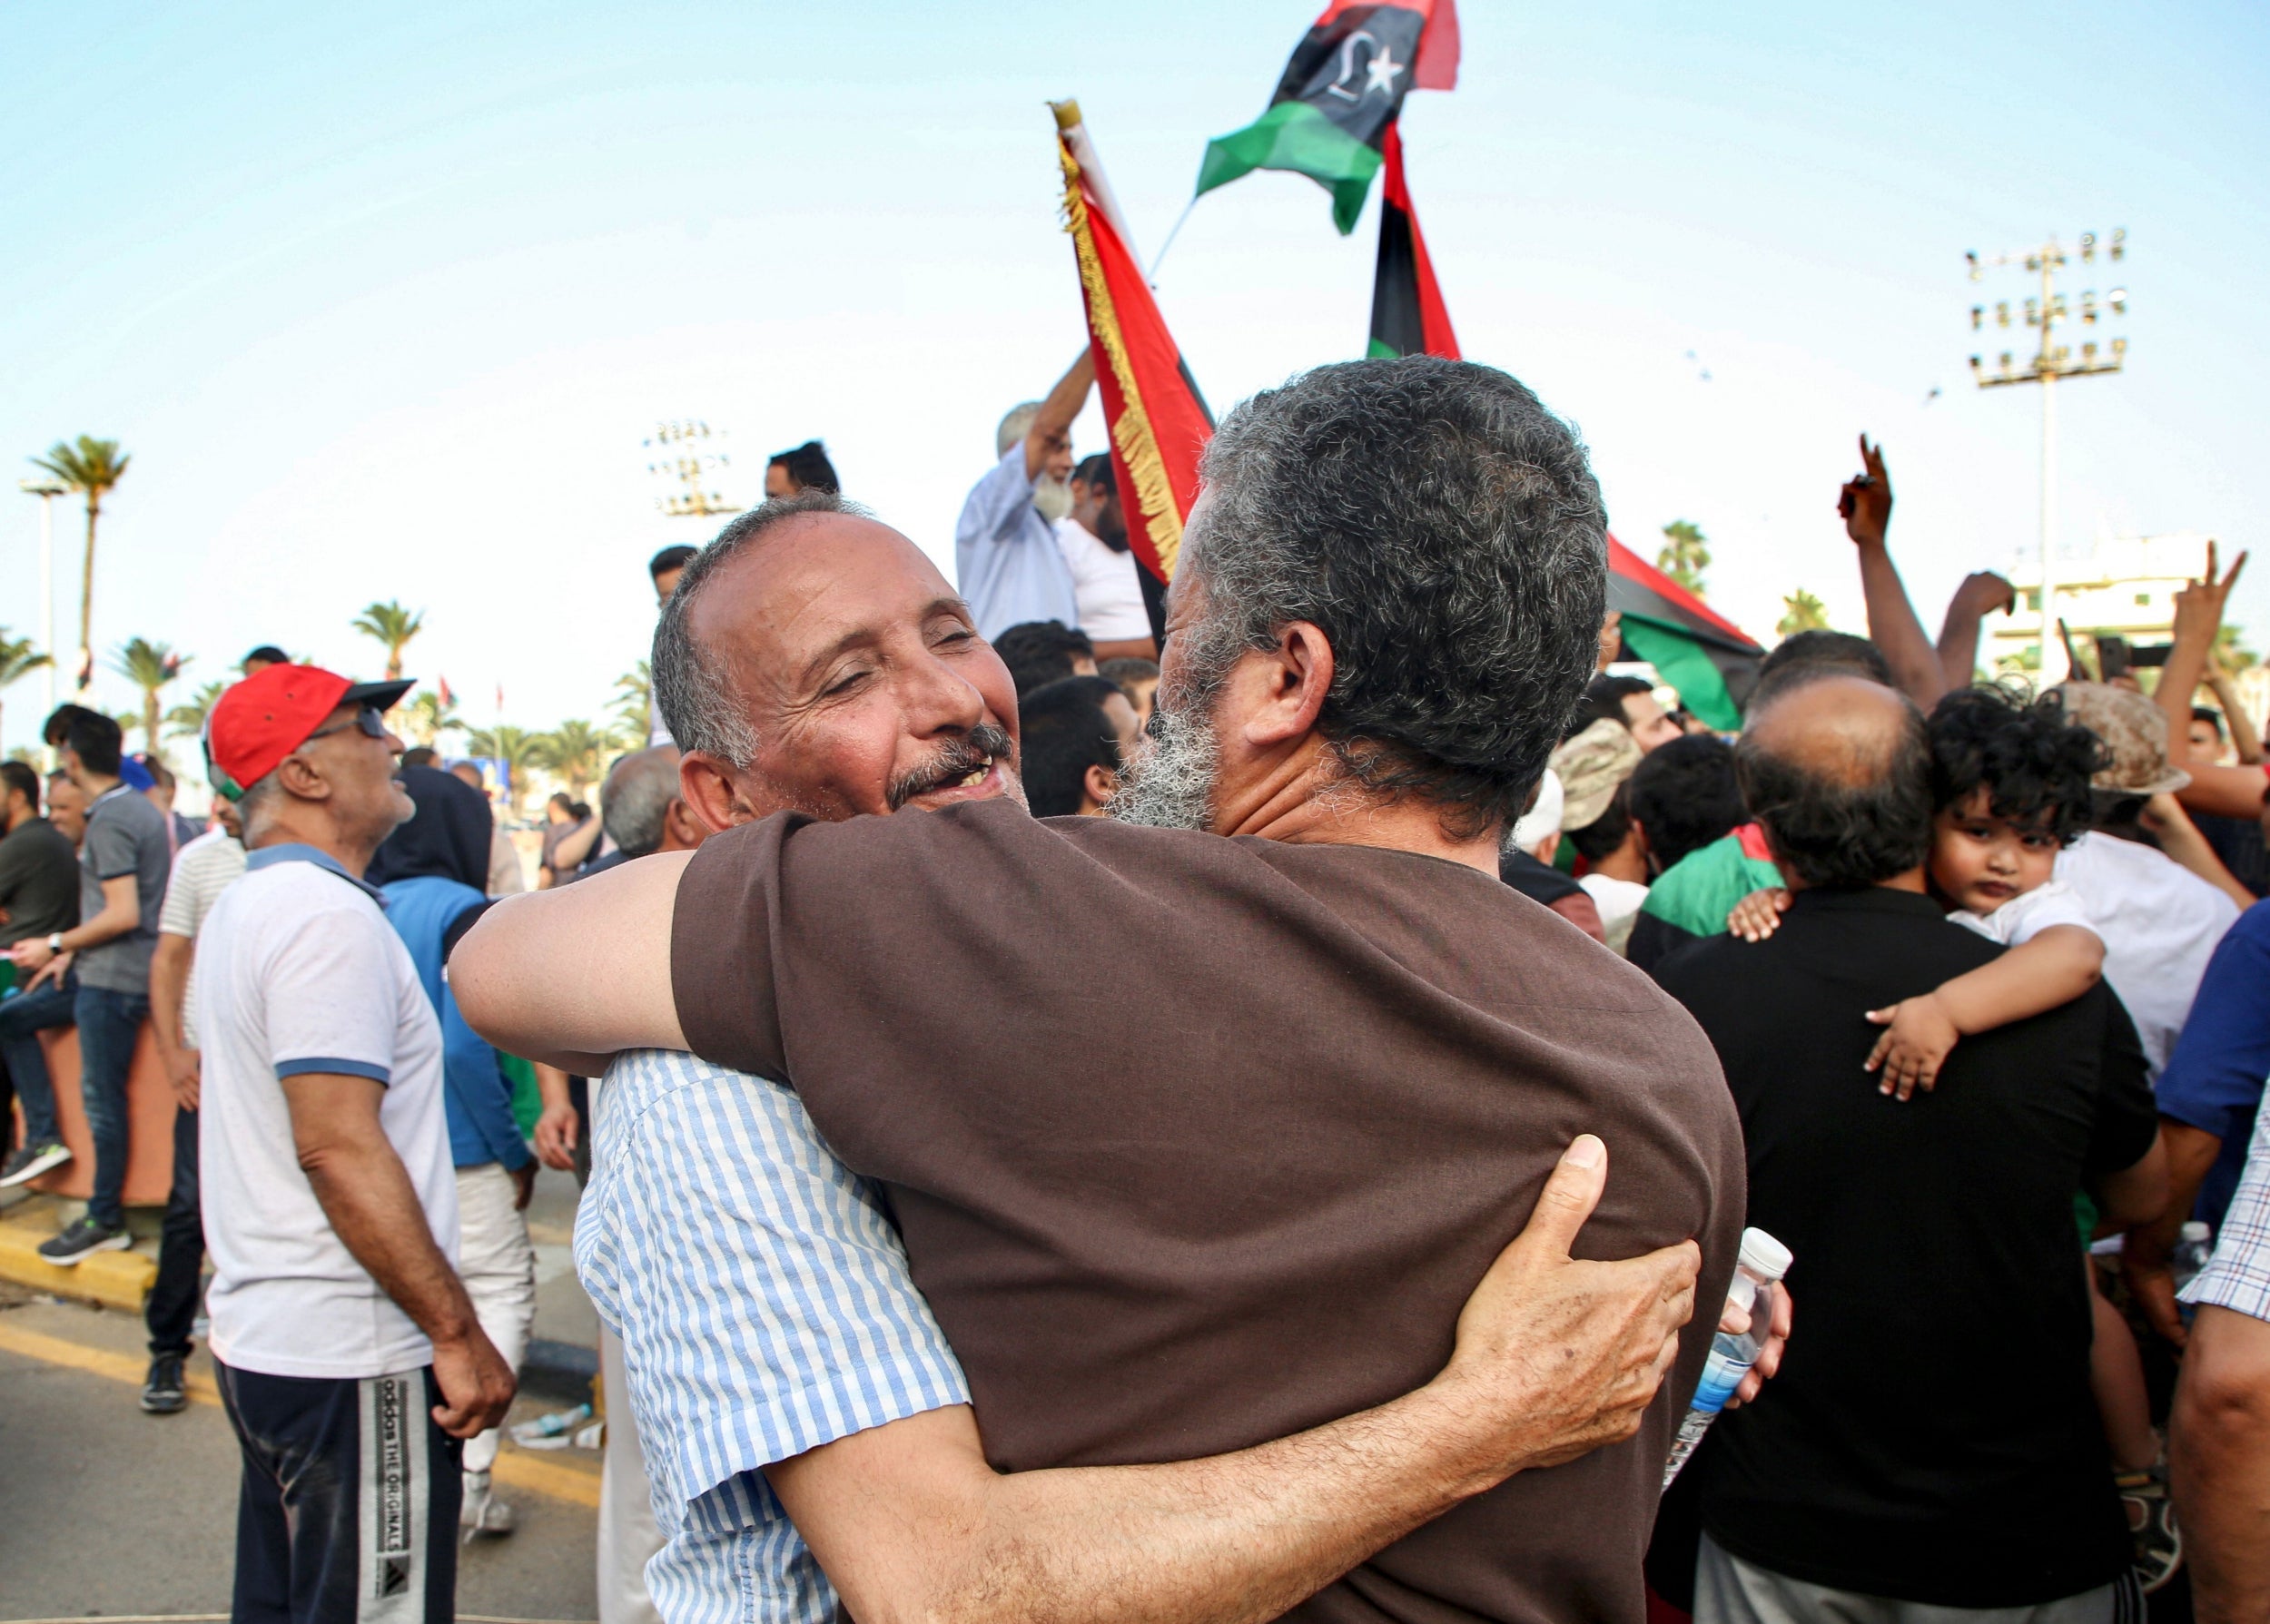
(1348, 1249)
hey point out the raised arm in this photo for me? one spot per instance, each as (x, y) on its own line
(2228, 792)
(1980, 592)
(1052, 428)
(2245, 737)
(1553, 1359)
(569, 977)
(1865, 503)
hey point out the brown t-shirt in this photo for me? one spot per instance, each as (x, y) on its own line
(1198, 1142)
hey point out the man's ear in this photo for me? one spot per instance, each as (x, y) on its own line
(1100, 785)
(1292, 678)
(707, 787)
(300, 779)
(682, 830)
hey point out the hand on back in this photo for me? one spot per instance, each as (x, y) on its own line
(1567, 1355)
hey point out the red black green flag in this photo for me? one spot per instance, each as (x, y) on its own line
(1407, 313)
(1713, 662)
(1339, 96)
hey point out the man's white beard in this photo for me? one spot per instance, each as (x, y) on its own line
(1052, 498)
(1170, 782)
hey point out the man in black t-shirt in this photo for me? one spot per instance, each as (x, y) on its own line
(1931, 1437)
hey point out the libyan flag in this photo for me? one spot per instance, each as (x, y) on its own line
(1339, 97)
(1713, 662)
(1408, 316)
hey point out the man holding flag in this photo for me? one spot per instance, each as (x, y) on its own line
(1005, 553)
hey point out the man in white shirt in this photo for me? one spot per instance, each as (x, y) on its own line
(1008, 565)
(203, 869)
(2160, 921)
(1105, 584)
(330, 1202)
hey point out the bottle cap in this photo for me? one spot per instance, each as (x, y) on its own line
(1764, 1255)
(2194, 1229)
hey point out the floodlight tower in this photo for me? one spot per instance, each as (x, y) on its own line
(2052, 361)
(681, 450)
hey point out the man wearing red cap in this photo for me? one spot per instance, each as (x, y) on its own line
(329, 1201)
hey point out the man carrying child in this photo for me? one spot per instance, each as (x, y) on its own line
(1933, 1441)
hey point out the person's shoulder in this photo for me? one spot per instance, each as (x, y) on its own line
(1704, 867)
(1700, 962)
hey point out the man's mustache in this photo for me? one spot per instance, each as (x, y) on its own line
(957, 758)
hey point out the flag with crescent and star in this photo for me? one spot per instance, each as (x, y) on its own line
(1340, 95)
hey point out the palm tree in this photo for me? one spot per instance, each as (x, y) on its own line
(428, 717)
(188, 720)
(392, 625)
(575, 751)
(515, 747)
(634, 701)
(1806, 612)
(93, 468)
(1686, 555)
(149, 666)
(17, 658)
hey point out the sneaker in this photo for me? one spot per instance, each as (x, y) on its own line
(84, 1238)
(2159, 1546)
(481, 1511)
(32, 1161)
(162, 1391)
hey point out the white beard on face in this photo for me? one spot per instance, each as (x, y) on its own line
(1170, 782)
(1052, 498)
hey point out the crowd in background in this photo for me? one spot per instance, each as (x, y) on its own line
(1986, 968)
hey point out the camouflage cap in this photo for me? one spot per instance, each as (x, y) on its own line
(1591, 765)
(2134, 730)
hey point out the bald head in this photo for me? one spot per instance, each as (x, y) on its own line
(1837, 769)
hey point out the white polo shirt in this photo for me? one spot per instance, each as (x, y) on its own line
(298, 971)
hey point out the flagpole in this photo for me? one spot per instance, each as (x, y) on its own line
(1152, 276)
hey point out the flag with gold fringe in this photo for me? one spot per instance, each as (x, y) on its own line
(1159, 422)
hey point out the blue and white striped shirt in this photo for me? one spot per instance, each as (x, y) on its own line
(765, 1308)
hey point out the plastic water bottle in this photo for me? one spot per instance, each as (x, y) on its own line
(2189, 1255)
(1763, 1261)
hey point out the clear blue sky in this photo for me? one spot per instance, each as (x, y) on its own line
(383, 302)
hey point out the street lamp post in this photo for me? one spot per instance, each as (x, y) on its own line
(2049, 310)
(46, 487)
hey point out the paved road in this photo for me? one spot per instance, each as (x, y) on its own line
(106, 1511)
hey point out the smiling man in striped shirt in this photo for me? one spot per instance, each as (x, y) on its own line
(781, 1356)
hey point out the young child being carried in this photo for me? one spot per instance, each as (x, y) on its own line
(2011, 780)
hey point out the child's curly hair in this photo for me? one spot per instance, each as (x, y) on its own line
(2034, 763)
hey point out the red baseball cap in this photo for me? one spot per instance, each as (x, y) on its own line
(265, 718)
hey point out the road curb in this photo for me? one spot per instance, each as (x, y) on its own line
(108, 1279)
(516, 1468)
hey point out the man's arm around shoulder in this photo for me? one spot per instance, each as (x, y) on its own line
(1553, 1358)
(570, 976)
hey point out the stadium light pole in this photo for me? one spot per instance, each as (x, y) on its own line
(2049, 310)
(46, 487)
(681, 451)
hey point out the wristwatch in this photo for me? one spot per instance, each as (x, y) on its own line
(54, 943)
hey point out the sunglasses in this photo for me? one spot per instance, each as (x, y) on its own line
(369, 719)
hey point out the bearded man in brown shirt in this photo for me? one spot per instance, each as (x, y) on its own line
(1341, 1057)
